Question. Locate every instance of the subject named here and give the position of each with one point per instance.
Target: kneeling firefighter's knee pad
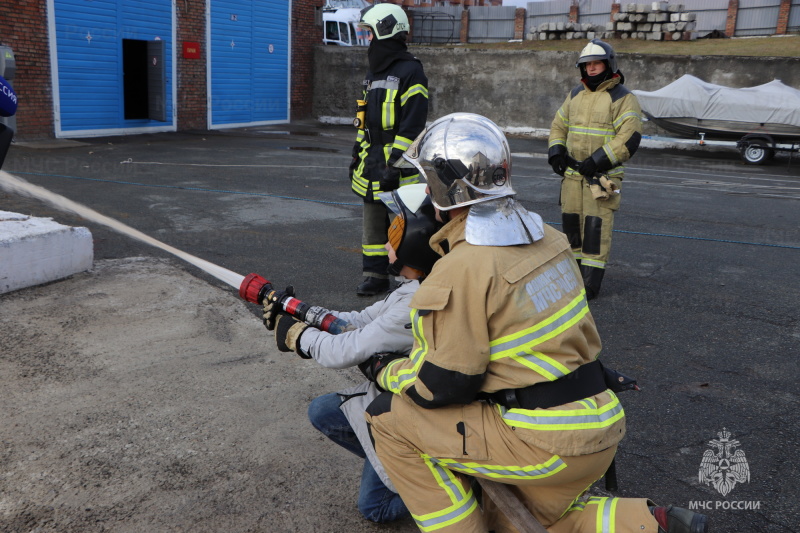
(592, 228)
(571, 223)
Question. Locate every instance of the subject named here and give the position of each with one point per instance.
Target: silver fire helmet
(465, 159)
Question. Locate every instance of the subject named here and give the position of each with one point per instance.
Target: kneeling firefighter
(503, 381)
(596, 129)
(392, 112)
(379, 329)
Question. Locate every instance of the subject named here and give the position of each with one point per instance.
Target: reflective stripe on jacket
(397, 109)
(608, 118)
(496, 317)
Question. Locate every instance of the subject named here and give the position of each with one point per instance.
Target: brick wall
(305, 36)
(24, 29)
(192, 87)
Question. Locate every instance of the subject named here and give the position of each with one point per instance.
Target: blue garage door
(249, 62)
(113, 61)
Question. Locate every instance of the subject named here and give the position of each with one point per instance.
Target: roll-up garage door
(112, 66)
(249, 62)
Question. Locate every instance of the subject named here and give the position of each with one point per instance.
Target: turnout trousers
(375, 258)
(430, 463)
(588, 223)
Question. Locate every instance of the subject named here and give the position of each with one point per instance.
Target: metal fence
(496, 24)
(539, 12)
(794, 17)
(711, 15)
(491, 24)
(596, 12)
(436, 25)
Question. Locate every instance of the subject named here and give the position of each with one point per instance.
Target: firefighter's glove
(390, 178)
(287, 334)
(273, 304)
(356, 159)
(559, 163)
(373, 366)
(608, 185)
(588, 167)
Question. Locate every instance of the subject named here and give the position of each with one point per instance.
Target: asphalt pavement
(699, 303)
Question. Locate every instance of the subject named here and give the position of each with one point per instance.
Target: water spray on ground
(14, 184)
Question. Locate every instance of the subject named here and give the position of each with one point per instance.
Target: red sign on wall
(191, 50)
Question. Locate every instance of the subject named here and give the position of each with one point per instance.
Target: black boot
(678, 520)
(592, 279)
(372, 286)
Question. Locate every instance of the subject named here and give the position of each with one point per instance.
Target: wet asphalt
(700, 300)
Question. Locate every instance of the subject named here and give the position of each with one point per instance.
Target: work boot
(673, 519)
(372, 286)
(592, 279)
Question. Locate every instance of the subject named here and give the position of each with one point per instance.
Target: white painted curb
(39, 250)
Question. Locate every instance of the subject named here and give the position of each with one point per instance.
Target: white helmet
(384, 20)
(465, 159)
(597, 50)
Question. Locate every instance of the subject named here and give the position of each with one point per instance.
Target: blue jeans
(375, 501)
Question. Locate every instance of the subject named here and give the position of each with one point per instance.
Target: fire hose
(255, 289)
(600, 185)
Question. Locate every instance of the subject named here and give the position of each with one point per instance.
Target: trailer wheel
(757, 152)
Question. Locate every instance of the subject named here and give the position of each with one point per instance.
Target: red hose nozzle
(253, 288)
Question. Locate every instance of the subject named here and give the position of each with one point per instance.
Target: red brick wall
(305, 36)
(24, 29)
(783, 17)
(192, 89)
(733, 13)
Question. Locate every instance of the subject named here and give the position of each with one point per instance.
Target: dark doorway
(134, 76)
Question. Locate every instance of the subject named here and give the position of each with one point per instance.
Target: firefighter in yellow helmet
(503, 380)
(597, 129)
(393, 110)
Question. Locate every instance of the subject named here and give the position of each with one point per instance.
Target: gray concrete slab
(699, 303)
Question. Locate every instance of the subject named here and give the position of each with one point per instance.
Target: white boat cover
(688, 96)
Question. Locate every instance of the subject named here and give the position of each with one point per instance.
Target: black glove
(372, 366)
(355, 160)
(287, 334)
(390, 178)
(272, 306)
(588, 167)
(559, 163)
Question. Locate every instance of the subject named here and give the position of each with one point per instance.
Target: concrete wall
(523, 89)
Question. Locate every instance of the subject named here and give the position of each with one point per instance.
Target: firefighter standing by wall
(502, 382)
(396, 101)
(599, 125)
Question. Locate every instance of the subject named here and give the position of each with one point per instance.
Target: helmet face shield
(412, 227)
(464, 158)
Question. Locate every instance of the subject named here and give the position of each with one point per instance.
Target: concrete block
(675, 17)
(590, 35)
(610, 26)
(38, 250)
(655, 36)
(688, 17)
(645, 27)
(561, 26)
(630, 8)
(675, 8)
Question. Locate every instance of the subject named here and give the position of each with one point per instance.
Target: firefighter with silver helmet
(392, 111)
(378, 329)
(596, 130)
(503, 380)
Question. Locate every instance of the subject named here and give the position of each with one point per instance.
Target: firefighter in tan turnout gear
(502, 381)
(597, 128)
(392, 112)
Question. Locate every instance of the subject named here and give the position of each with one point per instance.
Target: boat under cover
(690, 106)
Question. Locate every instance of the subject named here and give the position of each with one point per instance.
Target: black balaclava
(593, 82)
(383, 52)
